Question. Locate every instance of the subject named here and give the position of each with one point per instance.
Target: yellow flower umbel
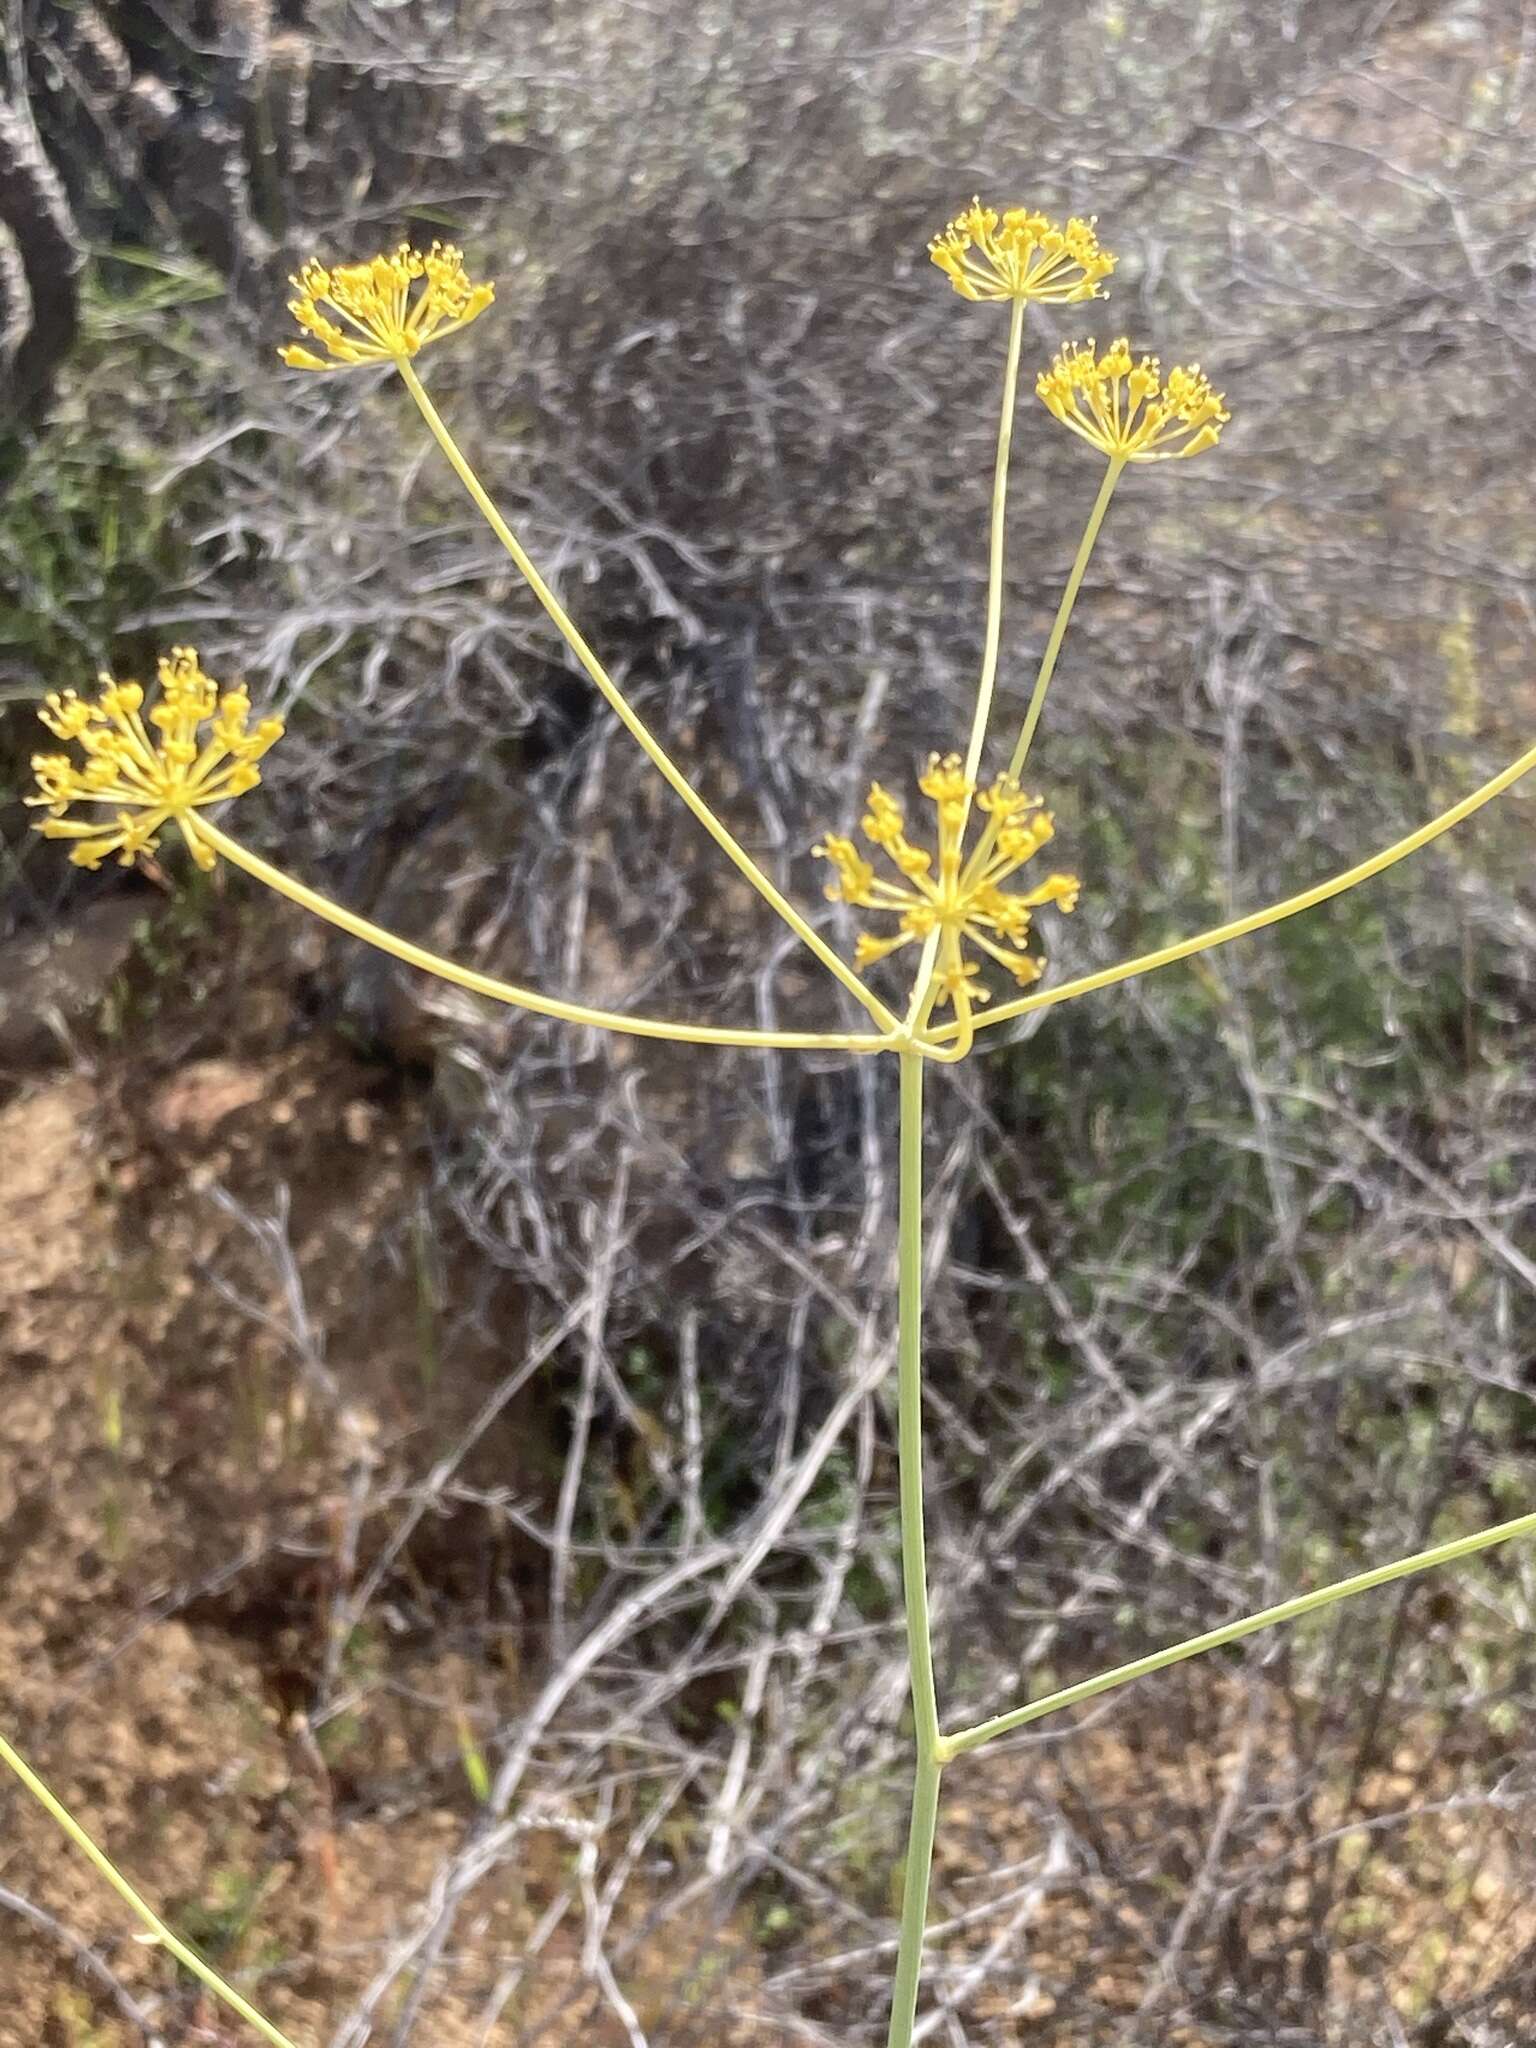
(385, 319)
(1020, 256)
(1122, 407)
(964, 902)
(144, 779)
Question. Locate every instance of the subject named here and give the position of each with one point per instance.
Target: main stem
(914, 1566)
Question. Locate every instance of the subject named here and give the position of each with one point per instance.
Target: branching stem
(996, 549)
(922, 997)
(1063, 618)
(1234, 1631)
(1256, 920)
(1053, 646)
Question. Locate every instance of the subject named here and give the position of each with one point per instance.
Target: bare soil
(173, 1476)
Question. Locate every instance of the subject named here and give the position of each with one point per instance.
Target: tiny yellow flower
(1122, 407)
(380, 320)
(964, 902)
(146, 779)
(1020, 256)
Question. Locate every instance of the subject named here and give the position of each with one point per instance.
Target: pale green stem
(509, 992)
(1256, 920)
(619, 704)
(994, 634)
(1052, 652)
(914, 1565)
(993, 637)
(914, 1901)
(1234, 1631)
(188, 1958)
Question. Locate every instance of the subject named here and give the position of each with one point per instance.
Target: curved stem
(632, 722)
(1063, 617)
(509, 992)
(1256, 920)
(914, 1567)
(171, 1943)
(1234, 1631)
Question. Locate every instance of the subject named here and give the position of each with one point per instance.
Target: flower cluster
(1020, 255)
(964, 902)
(146, 768)
(1122, 407)
(385, 318)
(142, 778)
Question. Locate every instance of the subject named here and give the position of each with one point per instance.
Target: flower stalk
(443, 969)
(630, 719)
(1052, 653)
(996, 546)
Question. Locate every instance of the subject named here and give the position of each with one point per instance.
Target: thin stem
(1256, 920)
(914, 1566)
(508, 992)
(172, 1944)
(1049, 658)
(1052, 652)
(992, 641)
(988, 679)
(632, 722)
(1234, 1631)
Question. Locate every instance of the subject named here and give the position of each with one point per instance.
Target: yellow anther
(1123, 408)
(1021, 255)
(963, 901)
(148, 780)
(387, 308)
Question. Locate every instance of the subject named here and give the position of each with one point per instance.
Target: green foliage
(87, 535)
(477, 1772)
(222, 1922)
(77, 2024)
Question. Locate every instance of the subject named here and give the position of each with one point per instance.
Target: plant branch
(922, 982)
(630, 719)
(172, 1944)
(1048, 660)
(1063, 617)
(1234, 1631)
(1256, 920)
(509, 992)
(994, 631)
